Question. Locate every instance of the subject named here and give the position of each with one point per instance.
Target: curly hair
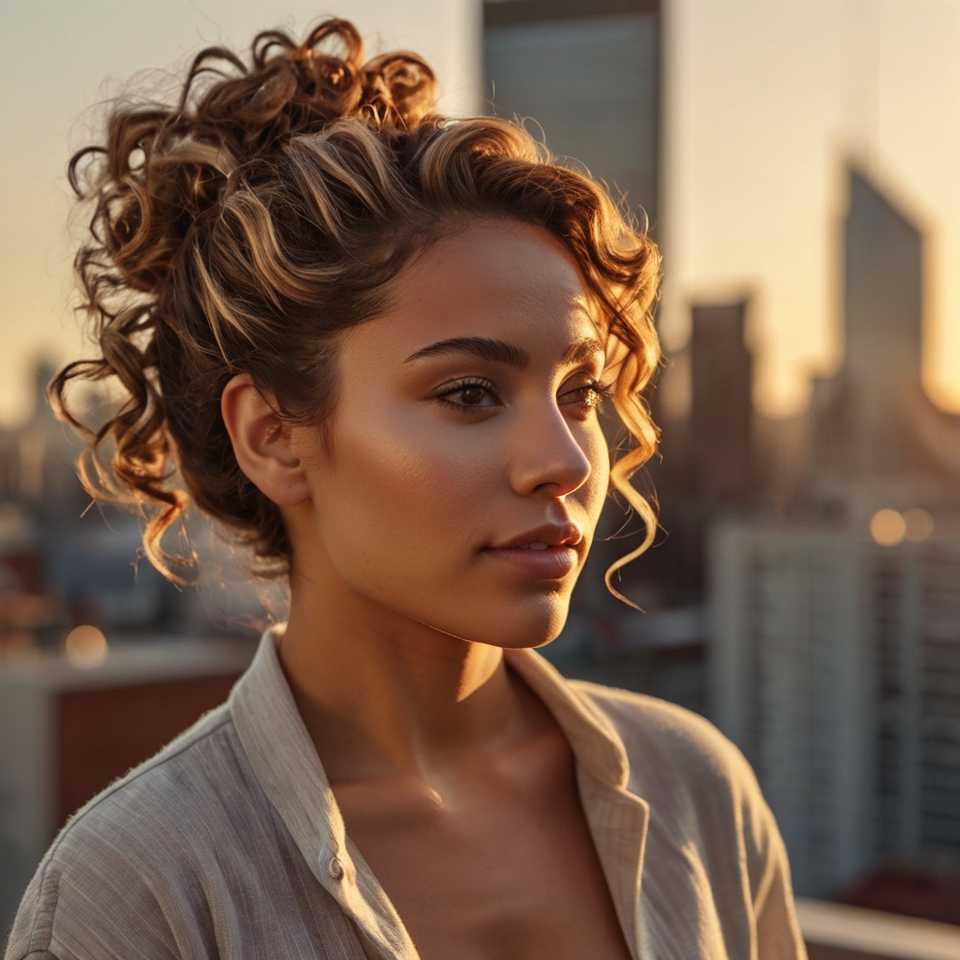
(245, 228)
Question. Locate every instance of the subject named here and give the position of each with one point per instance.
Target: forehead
(500, 279)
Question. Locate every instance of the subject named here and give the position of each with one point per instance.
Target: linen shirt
(229, 842)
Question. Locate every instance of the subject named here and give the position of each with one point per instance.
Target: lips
(548, 552)
(563, 534)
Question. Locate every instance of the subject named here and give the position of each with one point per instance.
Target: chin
(509, 624)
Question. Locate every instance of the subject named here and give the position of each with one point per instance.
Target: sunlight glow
(887, 527)
(86, 646)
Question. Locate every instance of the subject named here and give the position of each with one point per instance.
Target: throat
(380, 707)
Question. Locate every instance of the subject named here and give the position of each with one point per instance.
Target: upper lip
(566, 534)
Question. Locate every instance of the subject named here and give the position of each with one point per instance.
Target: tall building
(883, 292)
(789, 685)
(586, 73)
(836, 668)
(872, 421)
(720, 432)
(916, 626)
(708, 458)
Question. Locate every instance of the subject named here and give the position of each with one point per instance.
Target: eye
(469, 395)
(588, 395)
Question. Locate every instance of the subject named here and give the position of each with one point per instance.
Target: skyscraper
(883, 291)
(586, 72)
(790, 685)
(721, 415)
(873, 421)
(836, 668)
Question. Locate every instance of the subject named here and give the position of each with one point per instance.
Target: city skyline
(835, 663)
(763, 106)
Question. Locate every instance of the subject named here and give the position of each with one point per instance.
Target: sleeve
(77, 913)
(30, 935)
(777, 929)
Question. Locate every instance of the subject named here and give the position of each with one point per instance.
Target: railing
(834, 931)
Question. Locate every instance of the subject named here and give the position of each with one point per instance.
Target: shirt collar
(288, 769)
(592, 738)
(618, 819)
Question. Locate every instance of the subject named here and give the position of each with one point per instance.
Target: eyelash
(598, 392)
(459, 386)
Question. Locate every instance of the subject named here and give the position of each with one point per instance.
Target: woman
(374, 343)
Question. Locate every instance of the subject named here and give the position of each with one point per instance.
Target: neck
(382, 695)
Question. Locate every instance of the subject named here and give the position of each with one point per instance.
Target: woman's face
(467, 467)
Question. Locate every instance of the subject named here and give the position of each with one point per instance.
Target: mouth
(539, 560)
(551, 551)
(548, 536)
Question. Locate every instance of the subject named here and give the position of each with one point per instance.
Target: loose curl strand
(248, 227)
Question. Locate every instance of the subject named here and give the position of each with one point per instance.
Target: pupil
(472, 395)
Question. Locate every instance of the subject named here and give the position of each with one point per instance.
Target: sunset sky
(765, 100)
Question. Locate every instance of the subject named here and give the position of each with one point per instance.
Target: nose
(549, 456)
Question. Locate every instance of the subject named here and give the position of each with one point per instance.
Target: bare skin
(455, 782)
(484, 850)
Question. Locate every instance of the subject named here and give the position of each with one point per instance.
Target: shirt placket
(618, 822)
(345, 875)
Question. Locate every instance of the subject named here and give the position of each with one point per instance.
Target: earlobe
(262, 443)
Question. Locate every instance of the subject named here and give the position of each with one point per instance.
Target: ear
(263, 443)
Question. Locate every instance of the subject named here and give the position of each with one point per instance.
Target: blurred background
(797, 162)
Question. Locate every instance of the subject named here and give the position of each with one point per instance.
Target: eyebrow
(499, 351)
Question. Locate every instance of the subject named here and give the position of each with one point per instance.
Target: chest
(502, 864)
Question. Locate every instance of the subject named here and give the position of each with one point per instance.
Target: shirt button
(335, 868)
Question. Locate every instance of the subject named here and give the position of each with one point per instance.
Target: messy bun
(244, 229)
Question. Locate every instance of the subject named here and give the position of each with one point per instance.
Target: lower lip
(554, 563)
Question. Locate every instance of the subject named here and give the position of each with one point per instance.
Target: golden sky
(764, 101)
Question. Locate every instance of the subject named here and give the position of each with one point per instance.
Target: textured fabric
(229, 843)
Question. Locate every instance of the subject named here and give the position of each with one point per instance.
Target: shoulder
(699, 785)
(705, 802)
(655, 731)
(134, 851)
(194, 772)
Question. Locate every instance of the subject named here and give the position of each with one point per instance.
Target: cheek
(402, 503)
(402, 513)
(593, 494)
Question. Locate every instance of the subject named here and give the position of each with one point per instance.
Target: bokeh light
(919, 524)
(888, 527)
(86, 646)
